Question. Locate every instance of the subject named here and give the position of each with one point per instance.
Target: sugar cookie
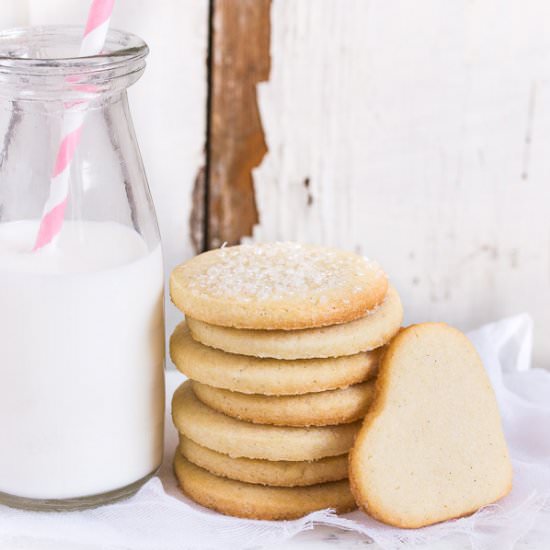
(431, 447)
(311, 409)
(236, 438)
(248, 374)
(248, 500)
(265, 472)
(277, 286)
(367, 333)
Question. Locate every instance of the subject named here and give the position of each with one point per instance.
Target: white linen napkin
(159, 516)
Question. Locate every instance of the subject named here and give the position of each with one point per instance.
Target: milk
(81, 360)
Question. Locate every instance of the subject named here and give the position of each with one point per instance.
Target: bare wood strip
(240, 59)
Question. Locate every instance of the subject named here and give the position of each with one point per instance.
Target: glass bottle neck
(58, 107)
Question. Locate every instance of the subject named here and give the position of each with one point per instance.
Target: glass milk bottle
(81, 291)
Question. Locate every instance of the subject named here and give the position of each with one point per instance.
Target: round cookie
(369, 332)
(248, 500)
(277, 286)
(265, 472)
(236, 438)
(248, 374)
(311, 409)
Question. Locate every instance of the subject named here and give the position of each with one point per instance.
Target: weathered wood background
(239, 59)
(417, 133)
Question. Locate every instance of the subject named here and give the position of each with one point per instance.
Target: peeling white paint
(424, 130)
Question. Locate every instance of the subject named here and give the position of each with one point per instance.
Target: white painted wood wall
(423, 129)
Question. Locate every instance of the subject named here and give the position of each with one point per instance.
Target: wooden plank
(419, 134)
(239, 60)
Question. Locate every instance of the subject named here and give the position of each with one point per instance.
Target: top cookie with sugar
(277, 286)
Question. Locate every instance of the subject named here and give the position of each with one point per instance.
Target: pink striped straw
(53, 214)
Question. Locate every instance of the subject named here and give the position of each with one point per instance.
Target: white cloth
(159, 516)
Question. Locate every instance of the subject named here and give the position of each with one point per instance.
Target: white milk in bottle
(81, 360)
(81, 317)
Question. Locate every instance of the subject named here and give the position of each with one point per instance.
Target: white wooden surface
(168, 104)
(423, 129)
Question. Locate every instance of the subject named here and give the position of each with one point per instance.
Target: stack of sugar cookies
(281, 344)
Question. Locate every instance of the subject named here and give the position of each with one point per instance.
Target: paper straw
(53, 214)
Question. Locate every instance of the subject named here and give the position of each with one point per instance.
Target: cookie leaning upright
(431, 447)
(284, 286)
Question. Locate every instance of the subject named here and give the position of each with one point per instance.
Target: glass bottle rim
(42, 63)
(54, 50)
